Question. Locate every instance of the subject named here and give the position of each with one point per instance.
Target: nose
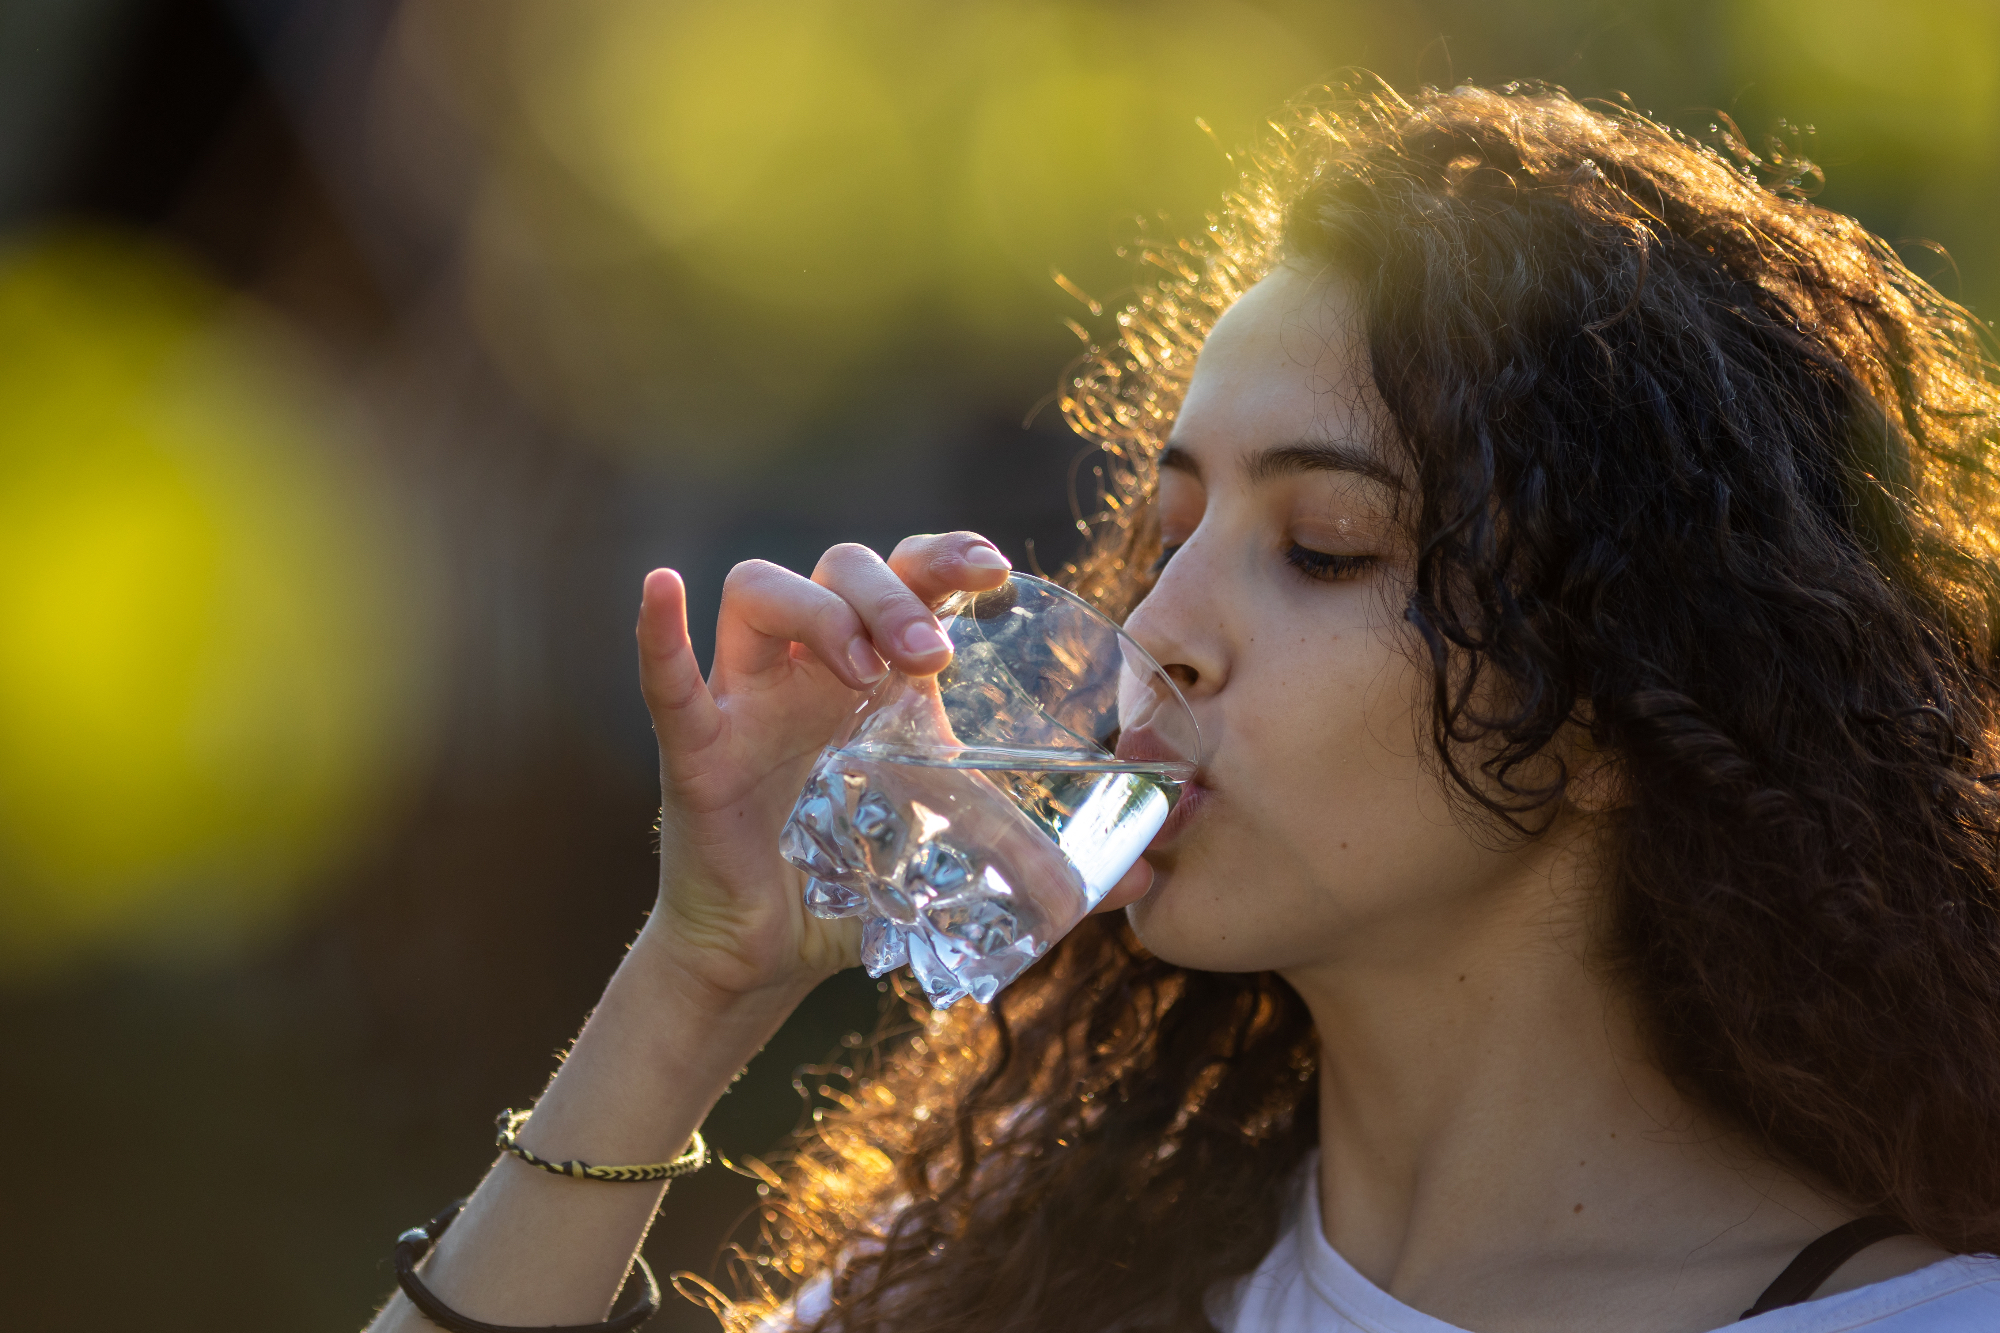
(1180, 624)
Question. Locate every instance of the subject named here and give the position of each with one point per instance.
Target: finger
(767, 608)
(937, 564)
(902, 627)
(1133, 885)
(684, 714)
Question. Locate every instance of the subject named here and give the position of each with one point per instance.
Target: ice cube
(898, 902)
(983, 974)
(980, 924)
(934, 872)
(940, 868)
(925, 899)
(831, 901)
(881, 830)
(983, 977)
(818, 838)
(884, 946)
(806, 852)
(938, 981)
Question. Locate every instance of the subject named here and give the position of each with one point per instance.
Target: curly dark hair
(1703, 471)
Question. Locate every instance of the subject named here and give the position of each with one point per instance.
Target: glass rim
(1131, 643)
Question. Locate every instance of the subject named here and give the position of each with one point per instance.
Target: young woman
(1579, 552)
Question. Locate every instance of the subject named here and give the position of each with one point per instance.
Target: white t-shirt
(1304, 1286)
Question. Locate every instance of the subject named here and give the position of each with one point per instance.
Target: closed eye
(1326, 568)
(1319, 565)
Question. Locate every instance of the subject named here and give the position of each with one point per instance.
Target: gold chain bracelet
(689, 1162)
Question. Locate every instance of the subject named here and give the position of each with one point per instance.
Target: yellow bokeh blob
(1880, 81)
(830, 157)
(1087, 121)
(206, 657)
(761, 138)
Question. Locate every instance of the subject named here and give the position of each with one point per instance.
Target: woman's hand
(792, 659)
(730, 949)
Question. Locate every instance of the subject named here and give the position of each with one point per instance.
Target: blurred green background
(358, 357)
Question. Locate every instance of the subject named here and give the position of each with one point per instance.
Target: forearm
(533, 1248)
(690, 1006)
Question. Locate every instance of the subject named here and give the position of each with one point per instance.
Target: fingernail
(867, 666)
(985, 557)
(920, 640)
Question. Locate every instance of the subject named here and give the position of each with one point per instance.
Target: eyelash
(1325, 568)
(1317, 565)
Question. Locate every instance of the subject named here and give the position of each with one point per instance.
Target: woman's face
(1318, 834)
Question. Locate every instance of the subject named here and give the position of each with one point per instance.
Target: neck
(1489, 1118)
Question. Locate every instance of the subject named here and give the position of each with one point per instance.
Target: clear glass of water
(972, 818)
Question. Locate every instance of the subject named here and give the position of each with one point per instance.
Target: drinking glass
(973, 817)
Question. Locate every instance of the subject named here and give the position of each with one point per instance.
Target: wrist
(655, 1055)
(713, 984)
(672, 1015)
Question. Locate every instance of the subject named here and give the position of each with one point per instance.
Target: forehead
(1284, 365)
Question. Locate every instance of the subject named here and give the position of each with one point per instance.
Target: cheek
(1328, 818)
(1331, 756)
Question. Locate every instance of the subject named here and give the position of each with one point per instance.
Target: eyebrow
(1287, 460)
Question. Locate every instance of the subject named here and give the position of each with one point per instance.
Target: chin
(1191, 921)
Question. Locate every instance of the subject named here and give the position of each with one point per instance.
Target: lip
(1195, 797)
(1142, 746)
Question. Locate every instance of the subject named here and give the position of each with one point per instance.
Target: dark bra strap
(1817, 1261)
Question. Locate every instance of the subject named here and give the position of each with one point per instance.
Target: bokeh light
(1923, 80)
(763, 136)
(838, 174)
(1087, 123)
(205, 640)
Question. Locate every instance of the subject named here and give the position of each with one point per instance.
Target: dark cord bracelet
(414, 1244)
